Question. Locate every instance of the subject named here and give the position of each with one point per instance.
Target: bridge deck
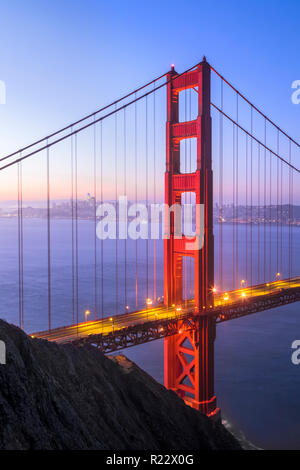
(141, 326)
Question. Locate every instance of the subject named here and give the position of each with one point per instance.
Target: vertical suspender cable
(292, 216)
(258, 214)
(76, 234)
(48, 240)
(221, 193)
(101, 196)
(290, 212)
(237, 193)
(251, 202)
(125, 194)
(154, 188)
(135, 184)
(233, 208)
(265, 200)
(72, 227)
(147, 240)
(95, 226)
(20, 246)
(277, 208)
(281, 219)
(270, 221)
(246, 269)
(117, 212)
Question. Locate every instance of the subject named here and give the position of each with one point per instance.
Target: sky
(63, 59)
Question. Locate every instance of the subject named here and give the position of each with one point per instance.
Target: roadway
(160, 312)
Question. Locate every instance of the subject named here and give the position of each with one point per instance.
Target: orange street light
(113, 323)
(86, 313)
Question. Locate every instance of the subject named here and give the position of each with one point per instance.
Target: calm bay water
(257, 386)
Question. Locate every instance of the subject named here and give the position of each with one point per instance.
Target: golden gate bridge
(216, 145)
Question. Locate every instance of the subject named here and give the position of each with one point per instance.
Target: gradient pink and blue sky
(63, 59)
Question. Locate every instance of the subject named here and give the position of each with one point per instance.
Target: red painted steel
(189, 355)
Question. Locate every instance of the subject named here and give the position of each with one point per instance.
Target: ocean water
(257, 386)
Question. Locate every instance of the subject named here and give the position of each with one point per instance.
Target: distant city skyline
(228, 213)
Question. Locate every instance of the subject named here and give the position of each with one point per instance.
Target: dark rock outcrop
(65, 397)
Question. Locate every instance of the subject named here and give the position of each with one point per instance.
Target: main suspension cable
(254, 107)
(73, 132)
(69, 126)
(255, 138)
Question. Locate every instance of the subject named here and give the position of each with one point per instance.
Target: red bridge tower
(189, 356)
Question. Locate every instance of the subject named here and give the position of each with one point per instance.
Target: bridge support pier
(189, 356)
(189, 366)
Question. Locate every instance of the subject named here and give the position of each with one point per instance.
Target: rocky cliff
(65, 397)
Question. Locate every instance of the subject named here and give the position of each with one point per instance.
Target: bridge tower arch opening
(189, 355)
